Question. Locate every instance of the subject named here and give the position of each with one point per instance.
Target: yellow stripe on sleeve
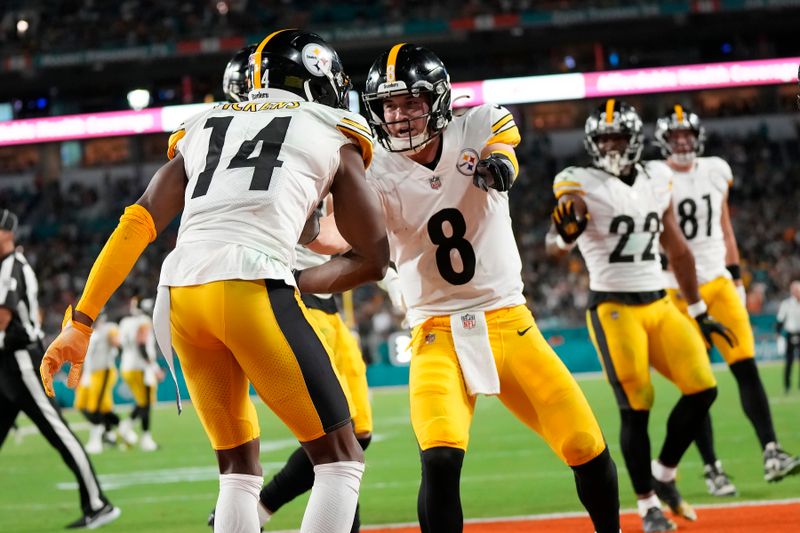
(357, 125)
(567, 184)
(508, 136)
(173, 142)
(364, 142)
(502, 122)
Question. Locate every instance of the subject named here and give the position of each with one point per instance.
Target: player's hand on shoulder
(495, 172)
(570, 218)
(69, 347)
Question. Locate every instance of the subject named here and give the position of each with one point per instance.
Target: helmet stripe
(257, 58)
(391, 61)
(679, 112)
(610, 110)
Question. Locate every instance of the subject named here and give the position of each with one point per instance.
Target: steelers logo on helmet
(317, 59)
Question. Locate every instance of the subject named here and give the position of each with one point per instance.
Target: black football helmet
(614, 117)
(234, 81)
(680, 118)
(299, 62)
(408, 69)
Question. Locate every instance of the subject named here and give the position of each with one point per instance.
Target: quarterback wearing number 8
(700, 199)
(444, 183)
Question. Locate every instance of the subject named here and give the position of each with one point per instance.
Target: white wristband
(563, 245)
(698, 308)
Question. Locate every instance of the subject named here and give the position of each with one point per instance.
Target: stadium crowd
(764, 172)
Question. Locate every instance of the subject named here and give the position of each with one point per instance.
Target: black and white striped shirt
(18, 293)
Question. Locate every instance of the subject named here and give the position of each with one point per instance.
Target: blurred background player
(443, 183)
(139, 370)
(788, 325)
(700, 188)
(21, 390)
(95, 398)
(618, 211)
(297, 476)
(228, 294)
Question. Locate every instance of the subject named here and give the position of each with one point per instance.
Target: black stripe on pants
(605, 353)
(315, 364)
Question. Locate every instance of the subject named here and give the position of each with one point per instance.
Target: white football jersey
(697, 199)
(452, 242)
(621, 241)
(256, 171)
(101, 352)
(131, 357)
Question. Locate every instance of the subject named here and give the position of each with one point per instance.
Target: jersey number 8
(446, 244)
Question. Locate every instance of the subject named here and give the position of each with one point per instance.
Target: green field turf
(508, 470)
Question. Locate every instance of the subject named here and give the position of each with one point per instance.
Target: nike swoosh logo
(522, 332)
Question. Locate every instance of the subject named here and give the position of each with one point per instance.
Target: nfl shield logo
(468, 321)
(435, 182)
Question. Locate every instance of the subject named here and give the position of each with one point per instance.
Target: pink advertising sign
(467, 94)
(63, 128)
(691, 77)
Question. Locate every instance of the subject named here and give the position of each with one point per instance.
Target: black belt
(628, 298)
(326, 305)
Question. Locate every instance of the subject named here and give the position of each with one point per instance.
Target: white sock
(263, 514)
(334, 496)
(237, 503)
(647, 503)
(663, 473)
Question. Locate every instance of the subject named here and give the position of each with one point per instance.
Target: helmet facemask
(622, 120)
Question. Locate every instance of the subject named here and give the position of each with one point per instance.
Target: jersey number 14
(271, 137)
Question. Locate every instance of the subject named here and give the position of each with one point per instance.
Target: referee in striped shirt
(21, 389)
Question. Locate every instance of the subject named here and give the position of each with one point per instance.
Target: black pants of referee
(21, 390)
(792, 353)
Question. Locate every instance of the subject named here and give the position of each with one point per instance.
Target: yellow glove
(69, 347)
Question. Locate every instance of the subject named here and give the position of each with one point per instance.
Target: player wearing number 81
(443, 183)
(619, 211)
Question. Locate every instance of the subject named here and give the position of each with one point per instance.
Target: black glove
(709, 326)
(496, 171)
(311, 229)
(566, 221)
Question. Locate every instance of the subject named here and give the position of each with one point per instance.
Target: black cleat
(778, 464)
(104, 516)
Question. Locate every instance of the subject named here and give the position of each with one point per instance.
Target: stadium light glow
(529, 89)
(138, 99)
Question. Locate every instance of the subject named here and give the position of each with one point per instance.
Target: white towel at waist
(471, 340)
(163, 333)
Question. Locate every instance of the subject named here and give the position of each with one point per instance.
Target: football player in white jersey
(700, 199)
(444, 182)
(297, 475)
(247, 177)
(139, 370)
(618, 211)
(95, 397)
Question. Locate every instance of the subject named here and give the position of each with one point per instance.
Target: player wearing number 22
(619, 211)
(444, 184)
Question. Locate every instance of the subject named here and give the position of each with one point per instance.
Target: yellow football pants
(143, 395)
(629, 339)
(534, 385)
(349, 363)
(725, 306)
(228, 334)
(98, 395)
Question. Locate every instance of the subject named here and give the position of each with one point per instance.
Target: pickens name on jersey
(256, 170)
(697, 198)
(452, 242)
(620, 244)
